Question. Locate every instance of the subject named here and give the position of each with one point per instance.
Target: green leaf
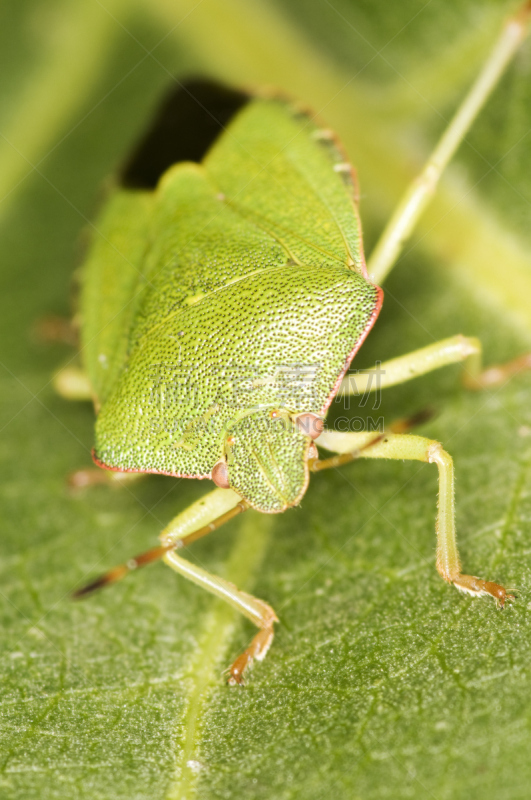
(382, 681)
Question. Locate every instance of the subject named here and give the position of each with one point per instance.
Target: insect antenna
(405, 424)
(117, 573)
(155, 554)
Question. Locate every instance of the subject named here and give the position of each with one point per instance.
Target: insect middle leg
(416, 448)
(466, 349)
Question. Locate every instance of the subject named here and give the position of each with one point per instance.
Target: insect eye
(310, 424)
(220, 475)
(231, 439)
(275, 414)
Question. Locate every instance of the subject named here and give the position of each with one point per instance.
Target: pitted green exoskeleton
(215, 344)
(223, 301)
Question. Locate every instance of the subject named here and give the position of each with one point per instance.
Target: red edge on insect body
(306, 476)
(330, 397)
(102, 465)
(362, 264)
(353, 190)
(355, 349)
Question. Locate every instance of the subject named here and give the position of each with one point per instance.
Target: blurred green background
(382, 681)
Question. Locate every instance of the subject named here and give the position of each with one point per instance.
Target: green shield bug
(223, 302)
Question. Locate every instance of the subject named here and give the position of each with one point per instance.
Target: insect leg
(417, 448)
(72, 383)
(251, 607)
(419, 193)
(94, 476)
(198, 520)
(55, 329)
(182, 531)
(448, 351)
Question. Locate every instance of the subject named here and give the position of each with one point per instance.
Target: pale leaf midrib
(204, 675)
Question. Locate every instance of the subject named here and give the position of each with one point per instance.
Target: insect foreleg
(417, 448)
(254, 609)
(211, 511)
(199, 519)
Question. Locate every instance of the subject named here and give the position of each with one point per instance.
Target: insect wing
(276, 167)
